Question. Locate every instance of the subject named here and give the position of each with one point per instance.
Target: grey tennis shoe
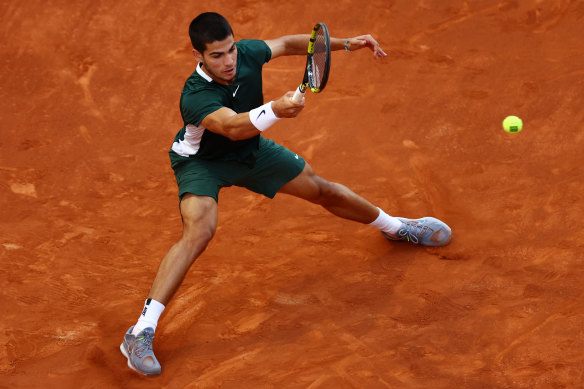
(427, 231)
(138, 350)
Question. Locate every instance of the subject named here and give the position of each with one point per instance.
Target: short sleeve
(195, 106)
(258, 50)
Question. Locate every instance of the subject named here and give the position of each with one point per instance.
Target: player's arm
(298, 44)
(239, 126)
(288, 45)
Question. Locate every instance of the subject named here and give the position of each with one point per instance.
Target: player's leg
(199, 215)
(336, 198)
(279, 170)
(343, 202)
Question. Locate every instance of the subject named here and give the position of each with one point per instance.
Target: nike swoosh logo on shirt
(234, 93)
(263, 111)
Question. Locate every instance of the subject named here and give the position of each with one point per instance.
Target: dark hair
(208, 27)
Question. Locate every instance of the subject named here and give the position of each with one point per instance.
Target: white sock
(149, 317)
(386, 223)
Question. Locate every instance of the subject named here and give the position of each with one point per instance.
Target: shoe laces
(412, 231)
(143, 344)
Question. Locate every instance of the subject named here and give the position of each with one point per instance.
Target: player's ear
(198, 55)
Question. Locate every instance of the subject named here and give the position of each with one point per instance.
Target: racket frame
(308, 79)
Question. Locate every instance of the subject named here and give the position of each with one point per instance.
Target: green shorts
(274, 167)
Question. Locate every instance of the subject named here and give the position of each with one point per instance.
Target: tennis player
(221, 145)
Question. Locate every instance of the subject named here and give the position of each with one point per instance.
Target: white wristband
(263, 117)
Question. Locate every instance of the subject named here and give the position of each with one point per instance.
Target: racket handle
(298, 95)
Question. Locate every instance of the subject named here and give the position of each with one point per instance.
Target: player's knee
(203, 235)
(196, 240)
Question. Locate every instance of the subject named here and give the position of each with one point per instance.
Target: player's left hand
(362, 41)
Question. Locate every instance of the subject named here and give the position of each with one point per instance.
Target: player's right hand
(285, 107)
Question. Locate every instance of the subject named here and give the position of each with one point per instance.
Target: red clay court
(288, 296)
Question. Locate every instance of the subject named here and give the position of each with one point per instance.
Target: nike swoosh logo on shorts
(263, 111)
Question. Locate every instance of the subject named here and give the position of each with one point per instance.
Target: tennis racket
(318, 62)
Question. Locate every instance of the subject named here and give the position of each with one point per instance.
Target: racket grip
(298, 95)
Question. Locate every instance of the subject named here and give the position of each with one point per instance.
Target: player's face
(220, 60)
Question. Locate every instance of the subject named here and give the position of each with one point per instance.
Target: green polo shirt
(202, 96)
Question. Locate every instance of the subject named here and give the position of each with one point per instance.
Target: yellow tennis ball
(512, 124)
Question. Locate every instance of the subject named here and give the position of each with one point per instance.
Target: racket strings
(319, 59)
